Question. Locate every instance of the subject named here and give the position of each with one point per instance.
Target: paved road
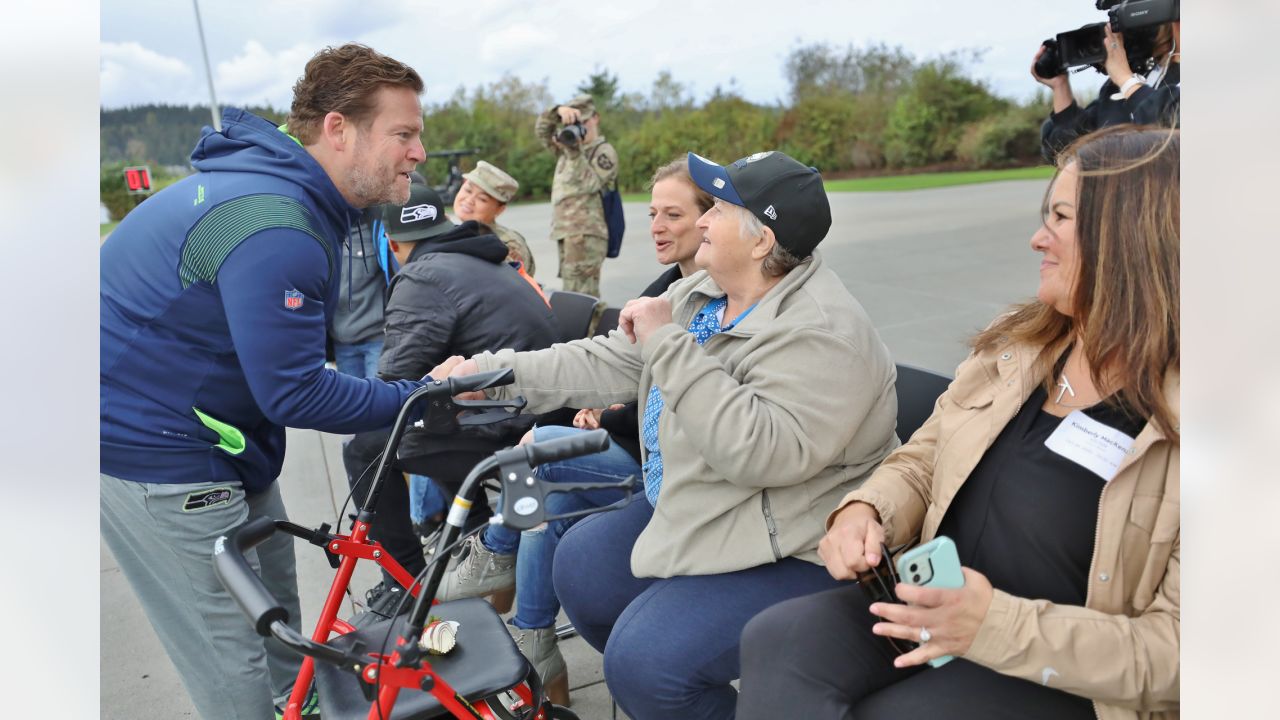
(930, 266)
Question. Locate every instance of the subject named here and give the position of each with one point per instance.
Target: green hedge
(113, 192)
(1007, 139)
(929, 118)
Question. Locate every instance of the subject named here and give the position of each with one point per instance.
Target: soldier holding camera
(585, 165)
(1138, 49)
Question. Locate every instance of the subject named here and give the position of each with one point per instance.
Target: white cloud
(131, 74)
(506, 47)
(473, 43)
(258, 75)
(337, 19)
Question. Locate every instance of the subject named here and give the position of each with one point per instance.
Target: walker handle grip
(570, 446)
(244, 585)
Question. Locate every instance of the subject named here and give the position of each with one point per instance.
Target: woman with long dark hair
(1052, 463)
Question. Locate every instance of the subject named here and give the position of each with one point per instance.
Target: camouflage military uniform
(502, 187)
(577, 216)
(516, 245)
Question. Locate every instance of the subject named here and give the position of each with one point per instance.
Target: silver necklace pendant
(1065, 387)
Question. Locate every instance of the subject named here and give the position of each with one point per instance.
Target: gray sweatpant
(162, 537)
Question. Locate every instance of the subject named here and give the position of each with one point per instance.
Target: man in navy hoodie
(215, 298)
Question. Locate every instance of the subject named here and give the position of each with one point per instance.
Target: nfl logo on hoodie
(292, 299)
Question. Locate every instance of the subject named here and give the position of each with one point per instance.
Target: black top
(1146, 106)
(623, 424)
(1026, 516)
(457, 295)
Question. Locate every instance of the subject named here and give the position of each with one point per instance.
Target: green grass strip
(920, 181)
(895, 183)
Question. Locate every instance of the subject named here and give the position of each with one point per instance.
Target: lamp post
(213, 98)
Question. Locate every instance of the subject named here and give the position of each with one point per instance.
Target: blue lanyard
(738, 319)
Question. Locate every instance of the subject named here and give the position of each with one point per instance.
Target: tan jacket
(764, 427)
(1121, 649)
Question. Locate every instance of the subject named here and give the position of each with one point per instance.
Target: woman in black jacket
(1125, 97)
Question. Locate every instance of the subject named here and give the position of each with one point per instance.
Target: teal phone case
(939, 554)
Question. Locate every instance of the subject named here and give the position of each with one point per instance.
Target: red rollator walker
(383, 670)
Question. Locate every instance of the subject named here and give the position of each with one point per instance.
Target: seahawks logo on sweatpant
(205, 499)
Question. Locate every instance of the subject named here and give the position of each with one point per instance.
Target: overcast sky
(151, 50)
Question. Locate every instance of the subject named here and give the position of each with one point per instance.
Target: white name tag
(1097, 447)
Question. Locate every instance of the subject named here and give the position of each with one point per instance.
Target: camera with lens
(1137, 19)
(571, 134)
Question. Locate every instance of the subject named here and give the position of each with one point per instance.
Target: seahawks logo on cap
(758, 156)
(418, 212)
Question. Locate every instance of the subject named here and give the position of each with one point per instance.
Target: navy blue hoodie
(216, 293)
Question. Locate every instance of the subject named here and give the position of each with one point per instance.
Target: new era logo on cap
(418, 213)
(787, 196)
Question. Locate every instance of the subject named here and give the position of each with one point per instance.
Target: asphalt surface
(931, 267)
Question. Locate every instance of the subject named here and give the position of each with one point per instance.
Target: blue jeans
(359, 359)
(670, 645)
(536, 602)
(425, 498)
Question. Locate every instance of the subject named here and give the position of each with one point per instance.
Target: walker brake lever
(489, 411)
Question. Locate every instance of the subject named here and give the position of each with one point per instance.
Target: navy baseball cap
(421, 218)
(784, 194)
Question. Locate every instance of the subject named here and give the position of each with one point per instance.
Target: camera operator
(1125, 97)
(585, 164)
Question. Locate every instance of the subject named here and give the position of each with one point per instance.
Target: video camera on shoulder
(1137, 19)
(571, 134)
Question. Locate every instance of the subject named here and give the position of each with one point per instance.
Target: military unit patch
(604, 162)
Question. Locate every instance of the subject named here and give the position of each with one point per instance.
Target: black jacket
(457, 295)
(1146, 106)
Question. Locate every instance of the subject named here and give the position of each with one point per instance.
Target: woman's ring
(925, 637)
(1114, 45)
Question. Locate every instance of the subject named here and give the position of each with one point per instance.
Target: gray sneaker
(541, 648)
(481, 572)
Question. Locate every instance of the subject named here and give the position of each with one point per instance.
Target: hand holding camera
(1117, 62)
(1044, 70)
(569, 115)
(1101, 44)
(573, 131)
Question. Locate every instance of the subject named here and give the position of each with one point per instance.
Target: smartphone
(934, 564)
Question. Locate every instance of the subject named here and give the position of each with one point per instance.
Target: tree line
(849, 110)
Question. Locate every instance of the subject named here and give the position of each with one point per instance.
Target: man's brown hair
(344, 79)
(1125, 299)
